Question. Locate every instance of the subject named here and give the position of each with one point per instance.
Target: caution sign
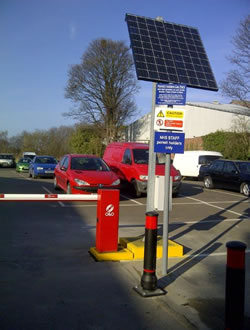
(174, 114)
(169, 118)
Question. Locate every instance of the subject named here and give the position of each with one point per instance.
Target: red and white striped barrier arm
(48, 197)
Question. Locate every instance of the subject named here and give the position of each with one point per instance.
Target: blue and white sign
(170, 94)
(168, 142)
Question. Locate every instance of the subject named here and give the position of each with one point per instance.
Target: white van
(29, 154)
(190, 162)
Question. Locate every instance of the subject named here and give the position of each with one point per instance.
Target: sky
(41, 39)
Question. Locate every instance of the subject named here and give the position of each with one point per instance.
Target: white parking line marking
(216, 202)
(61, 203)
(202, 255)
(20, 174)
(132, 200)
(217, 207)
(206, 221)
(224, 192)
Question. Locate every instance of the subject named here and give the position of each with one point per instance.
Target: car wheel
(136, 190)
(208, 182)
(245, 189)
(55, 184)
(69, 189)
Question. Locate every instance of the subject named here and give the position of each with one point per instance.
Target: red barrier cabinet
(107, 220)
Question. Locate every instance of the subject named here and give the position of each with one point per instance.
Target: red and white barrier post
(235, 286)
(148, 286)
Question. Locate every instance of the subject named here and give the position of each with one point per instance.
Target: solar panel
(169, 53)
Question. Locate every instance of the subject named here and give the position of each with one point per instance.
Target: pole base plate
(148, 293)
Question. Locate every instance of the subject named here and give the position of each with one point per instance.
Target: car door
(62, 173)
(231, 178)
(216, 172)
(126, 165)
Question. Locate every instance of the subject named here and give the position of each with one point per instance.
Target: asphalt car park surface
(49, 280)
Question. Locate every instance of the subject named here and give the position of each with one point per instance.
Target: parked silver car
(7, 160)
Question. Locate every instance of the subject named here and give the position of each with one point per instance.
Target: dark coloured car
(228, 174)
(42, 166)
(7, 160)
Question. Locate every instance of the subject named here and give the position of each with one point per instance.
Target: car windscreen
(45, 160)
(6, 156)
(88, 164)
(29, 156)
(141, 157)
(207, 159)
(24, 160)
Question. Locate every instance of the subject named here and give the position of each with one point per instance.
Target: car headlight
(177, 178)
(116, 182)
(39, 168)
(81, 182)
(143, 177)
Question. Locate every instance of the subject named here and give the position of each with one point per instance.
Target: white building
(200, 119)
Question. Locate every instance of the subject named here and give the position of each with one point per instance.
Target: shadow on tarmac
(196, 257)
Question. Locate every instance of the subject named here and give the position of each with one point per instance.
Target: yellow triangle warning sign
(160, 114)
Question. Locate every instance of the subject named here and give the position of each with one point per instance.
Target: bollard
(235, 286)
(148, 286)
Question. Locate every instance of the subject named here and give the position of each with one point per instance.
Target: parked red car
(82, 174)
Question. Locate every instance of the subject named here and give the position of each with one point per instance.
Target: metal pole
(166, 215)
(151, 158)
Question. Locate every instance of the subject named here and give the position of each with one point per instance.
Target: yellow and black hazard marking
(160, 114)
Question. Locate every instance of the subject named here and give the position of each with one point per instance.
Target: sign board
(169, 118)
(169, 142)
(160, 193)
(170, 94)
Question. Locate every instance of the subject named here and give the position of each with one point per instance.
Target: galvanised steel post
(151, 158)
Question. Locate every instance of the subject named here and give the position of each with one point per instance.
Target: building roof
(231, 108)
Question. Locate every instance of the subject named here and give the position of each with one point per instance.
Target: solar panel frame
(169, 53)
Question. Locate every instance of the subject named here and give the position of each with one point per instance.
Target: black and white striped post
(148, 286)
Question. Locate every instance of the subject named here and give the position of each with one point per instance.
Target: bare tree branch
(237, 83)
(102, 87)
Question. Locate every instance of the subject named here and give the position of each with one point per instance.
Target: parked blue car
(42, 166)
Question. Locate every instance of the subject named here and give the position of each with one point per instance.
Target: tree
(102, 87)
(241, 127)
(85, 140)
(237, 83)
(4, 141)
(232, 145)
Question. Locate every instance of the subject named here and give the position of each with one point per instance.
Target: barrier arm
(48, 197)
